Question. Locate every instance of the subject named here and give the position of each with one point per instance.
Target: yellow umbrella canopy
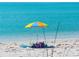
(36, 24)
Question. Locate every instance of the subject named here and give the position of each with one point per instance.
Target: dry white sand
(64, 48)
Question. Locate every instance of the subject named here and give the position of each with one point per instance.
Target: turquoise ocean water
(14, 16)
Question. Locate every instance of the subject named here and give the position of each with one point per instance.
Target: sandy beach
(63, 48)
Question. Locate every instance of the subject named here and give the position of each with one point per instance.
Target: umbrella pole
(37, 35)
(30, 41)
(44, 35)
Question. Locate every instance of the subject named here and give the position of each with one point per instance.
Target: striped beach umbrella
(37, 24)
